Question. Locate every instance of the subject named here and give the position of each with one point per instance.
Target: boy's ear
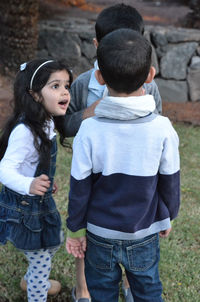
(99, 77)
(151, 75)
(95, 42)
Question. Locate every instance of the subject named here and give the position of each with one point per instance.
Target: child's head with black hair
(124, 59)
(41, 91)
(116, 17)
(29, 84)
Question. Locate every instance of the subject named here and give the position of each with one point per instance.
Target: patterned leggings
(38, 274)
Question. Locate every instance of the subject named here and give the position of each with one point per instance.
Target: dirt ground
(163, 12)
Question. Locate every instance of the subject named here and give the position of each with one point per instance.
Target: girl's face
(55, 94)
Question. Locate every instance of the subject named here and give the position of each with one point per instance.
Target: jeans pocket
(99, 254)
(9, 214)
(33, 223)
(143, 255)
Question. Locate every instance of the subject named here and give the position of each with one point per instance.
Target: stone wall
(176, 54)
(177, 61)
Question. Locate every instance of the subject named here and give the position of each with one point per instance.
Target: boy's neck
(138, 92)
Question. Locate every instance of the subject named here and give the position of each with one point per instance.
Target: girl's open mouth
(63, 104)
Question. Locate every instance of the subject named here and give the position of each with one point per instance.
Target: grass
(179, 265)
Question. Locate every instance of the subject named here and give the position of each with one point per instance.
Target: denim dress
(31, 223)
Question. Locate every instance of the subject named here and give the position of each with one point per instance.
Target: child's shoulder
(21, 127)
(83, 77)
(164, 123)
(150, 86)
(89, 122)
(88, 127)
(162, 120)
(21, 131)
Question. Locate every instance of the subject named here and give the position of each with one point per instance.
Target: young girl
(28, 214)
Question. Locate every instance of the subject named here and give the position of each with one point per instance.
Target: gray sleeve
(78, 103)
(152, 88)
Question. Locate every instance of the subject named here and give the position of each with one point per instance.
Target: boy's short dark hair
(124, 59)
(118, 16)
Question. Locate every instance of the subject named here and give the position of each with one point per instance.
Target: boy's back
(124, 159)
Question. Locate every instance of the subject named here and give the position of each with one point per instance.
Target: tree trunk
(192, 19)
(195, 5)
(18, 32)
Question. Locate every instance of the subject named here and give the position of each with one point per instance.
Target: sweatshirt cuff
(27, 185)
(77, 234)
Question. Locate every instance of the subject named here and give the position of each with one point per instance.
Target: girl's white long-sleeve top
(18, 166)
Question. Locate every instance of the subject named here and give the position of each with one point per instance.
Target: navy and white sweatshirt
(125, 178)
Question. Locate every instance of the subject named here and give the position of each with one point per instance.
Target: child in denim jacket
(28, 214)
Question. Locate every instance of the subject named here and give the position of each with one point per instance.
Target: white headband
(31, 82)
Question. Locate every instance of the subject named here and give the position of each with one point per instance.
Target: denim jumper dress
(31, 223)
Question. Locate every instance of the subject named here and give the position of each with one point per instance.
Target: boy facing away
(85, 95)
(85, 90)
(125, 179)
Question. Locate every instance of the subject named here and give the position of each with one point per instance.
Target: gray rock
(155, 61)
(177, 35)
(88, 50)
(163, 35)
(193, 79)
(63, 45)
(173, 64)
(88, 36)
(72, 25)
(158, 37)
(161, 51)
(154, 55)
(81, 66)
(195, 63)
(172, 91)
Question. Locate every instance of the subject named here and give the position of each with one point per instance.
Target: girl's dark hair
(30, 112)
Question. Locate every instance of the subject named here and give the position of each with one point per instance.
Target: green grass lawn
(180, 253)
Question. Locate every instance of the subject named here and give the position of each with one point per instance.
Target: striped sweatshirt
(125, 178)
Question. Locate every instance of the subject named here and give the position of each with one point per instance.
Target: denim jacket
(31, 222)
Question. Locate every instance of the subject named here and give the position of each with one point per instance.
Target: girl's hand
(55, 188)
(165, 233)
(40, 185)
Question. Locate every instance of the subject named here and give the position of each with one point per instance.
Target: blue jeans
(140, 259)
